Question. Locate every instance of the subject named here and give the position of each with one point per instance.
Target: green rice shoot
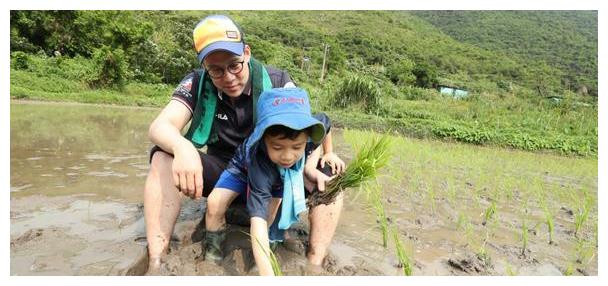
(489, 213)
(524, 238)
(376, 201)
(550, 223)
(404, 259)
(583, 213)
(276, 267)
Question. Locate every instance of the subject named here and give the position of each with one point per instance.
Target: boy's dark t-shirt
(233, 122)
(261, 174)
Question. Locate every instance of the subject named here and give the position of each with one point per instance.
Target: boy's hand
(336, 164)
(322, 180)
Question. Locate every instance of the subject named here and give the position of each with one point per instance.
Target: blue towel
(293, 194)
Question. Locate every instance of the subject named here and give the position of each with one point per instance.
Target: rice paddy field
(463, 209)
(434, 208)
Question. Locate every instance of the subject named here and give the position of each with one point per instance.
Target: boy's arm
(329, 157)
(311, 171)
(261, 176)
(260, 245)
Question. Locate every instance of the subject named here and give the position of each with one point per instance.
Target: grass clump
(356, 89)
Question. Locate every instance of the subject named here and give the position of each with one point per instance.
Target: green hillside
(382, 68)
(566, 40)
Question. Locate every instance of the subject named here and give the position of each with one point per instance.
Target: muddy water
(77, 175)
(76, 180)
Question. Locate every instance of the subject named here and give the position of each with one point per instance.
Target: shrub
(400, 73)
(426, 75)
(20, 61)
(357, 90)
(417, 93)
(111, 68)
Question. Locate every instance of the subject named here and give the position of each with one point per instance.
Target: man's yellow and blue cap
(217, 33)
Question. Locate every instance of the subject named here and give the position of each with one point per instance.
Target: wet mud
(76, 193)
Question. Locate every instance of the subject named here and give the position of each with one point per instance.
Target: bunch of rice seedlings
(404, 259)
(276, 267)
(372, 156)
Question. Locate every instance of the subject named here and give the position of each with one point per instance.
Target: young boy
(270, 169)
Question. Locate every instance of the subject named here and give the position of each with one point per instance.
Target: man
(218, 101)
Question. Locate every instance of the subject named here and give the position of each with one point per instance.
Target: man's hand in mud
(188, 171)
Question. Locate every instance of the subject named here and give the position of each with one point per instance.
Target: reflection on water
(77, 177)
(79, 149)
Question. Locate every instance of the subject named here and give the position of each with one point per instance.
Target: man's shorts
(213, 166)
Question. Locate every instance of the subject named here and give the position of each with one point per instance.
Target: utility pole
(305, 59)
(324, 57)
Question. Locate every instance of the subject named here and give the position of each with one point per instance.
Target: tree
(426, 75)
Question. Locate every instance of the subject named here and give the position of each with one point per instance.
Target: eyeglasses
(233, 68)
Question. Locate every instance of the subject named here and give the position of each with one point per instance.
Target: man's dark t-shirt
(233, 122)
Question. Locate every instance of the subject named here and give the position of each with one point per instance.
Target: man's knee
(160, 167)
(160, 160)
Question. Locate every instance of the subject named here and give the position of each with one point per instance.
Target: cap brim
(232, 47)
(291, 121)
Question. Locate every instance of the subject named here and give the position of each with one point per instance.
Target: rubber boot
(213, 245)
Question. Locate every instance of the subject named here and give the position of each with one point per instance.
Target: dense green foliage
(382, 67)
(69, 79)
(563, 40)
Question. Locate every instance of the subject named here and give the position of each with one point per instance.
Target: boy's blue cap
(289, 107)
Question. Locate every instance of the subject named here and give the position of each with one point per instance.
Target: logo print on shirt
(184, 88)
(222, 116)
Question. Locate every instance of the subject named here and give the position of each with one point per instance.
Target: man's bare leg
(162, 203)
(323, 222)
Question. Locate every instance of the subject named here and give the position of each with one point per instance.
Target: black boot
(213, 245)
